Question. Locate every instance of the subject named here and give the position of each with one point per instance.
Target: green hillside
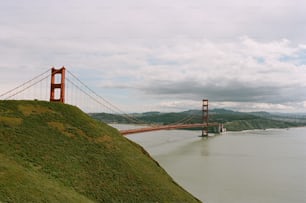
(51, 152)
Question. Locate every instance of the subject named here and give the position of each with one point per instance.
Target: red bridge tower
(57, 86)
(205, 118)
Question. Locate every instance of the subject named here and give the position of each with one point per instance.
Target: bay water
(255, 166)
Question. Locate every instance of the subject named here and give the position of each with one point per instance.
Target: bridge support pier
(205, 118)
(221, 128)
(57, 86)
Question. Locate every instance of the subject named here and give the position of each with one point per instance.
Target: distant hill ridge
(233, 120)
(52, 152)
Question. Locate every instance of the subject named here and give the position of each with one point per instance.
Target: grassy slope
(54, 152)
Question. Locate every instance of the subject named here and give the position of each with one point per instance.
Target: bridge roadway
(165, 127)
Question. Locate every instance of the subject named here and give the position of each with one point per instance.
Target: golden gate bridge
(60, 85)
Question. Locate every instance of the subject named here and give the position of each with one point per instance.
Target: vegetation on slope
(259, 123)
(51, 152)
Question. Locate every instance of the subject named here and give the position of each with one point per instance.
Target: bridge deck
(165, 127)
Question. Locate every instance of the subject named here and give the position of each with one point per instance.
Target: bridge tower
(205, 118)
(57, 86)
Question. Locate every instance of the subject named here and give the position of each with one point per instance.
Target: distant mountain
(151, 113)
(261, 114)
(193, 112)
(233, 120)
(214, 111)
(225, 111)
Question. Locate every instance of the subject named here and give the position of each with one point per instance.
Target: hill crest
(55, 152)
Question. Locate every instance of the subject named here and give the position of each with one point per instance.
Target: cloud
(222, 72)
(241, 54)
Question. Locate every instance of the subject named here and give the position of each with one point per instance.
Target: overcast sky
(165, 55)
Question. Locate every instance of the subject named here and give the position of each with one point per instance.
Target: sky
(163, 55)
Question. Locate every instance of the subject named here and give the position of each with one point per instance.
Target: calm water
(250, 166)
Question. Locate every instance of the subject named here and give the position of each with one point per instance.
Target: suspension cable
(26, 88)
(23, 84)
(184, 120)
(99, 102)
(122, 113)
